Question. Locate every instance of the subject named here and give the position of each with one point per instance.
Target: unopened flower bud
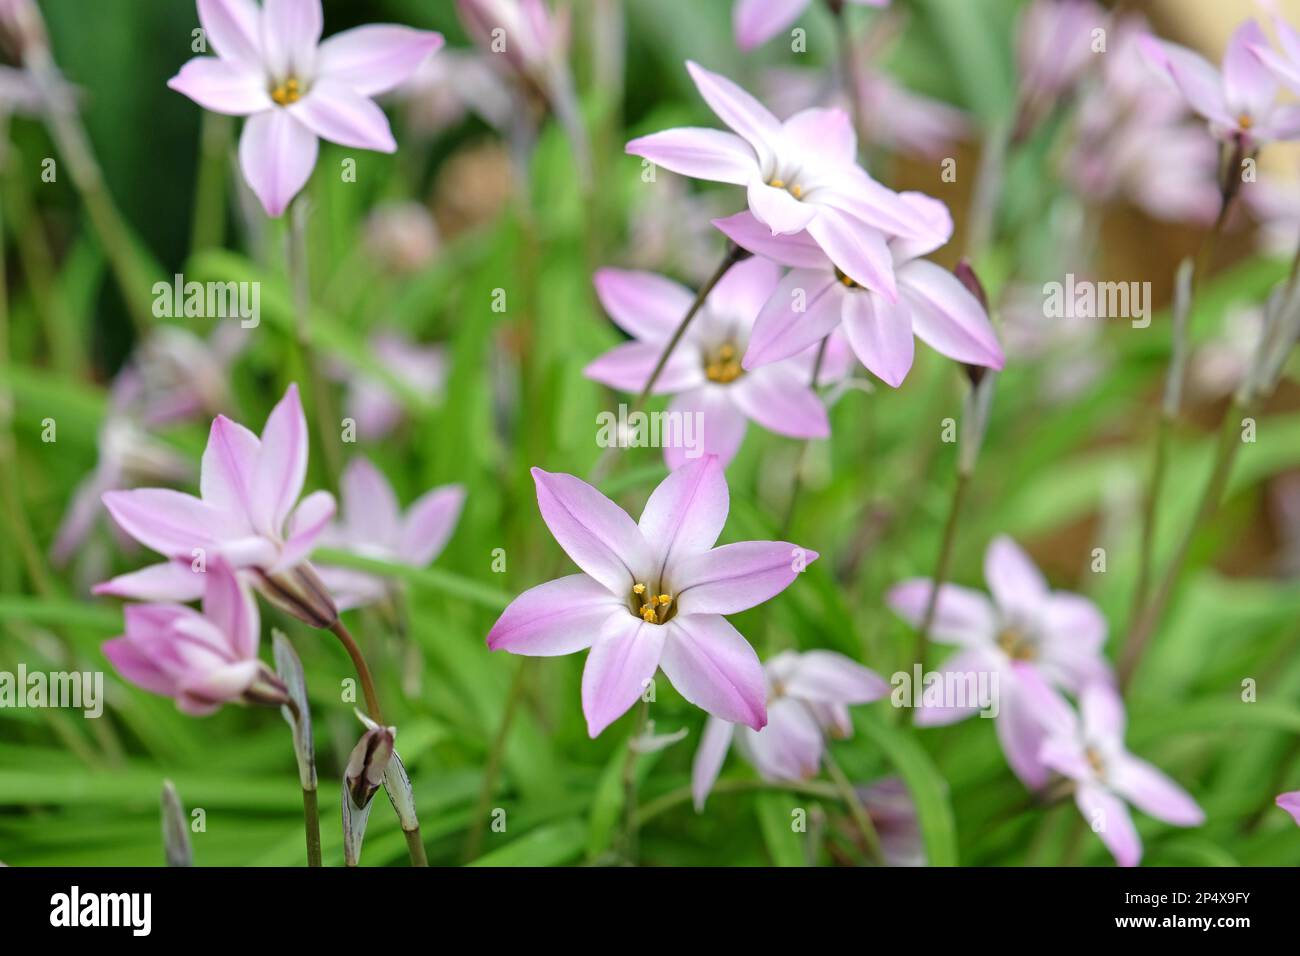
(175, 828)
(362, 777)
(965, 274)
(397, 784)
(266, 690)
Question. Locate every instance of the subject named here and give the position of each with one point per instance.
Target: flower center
(1245, 121)
(1016, 644)
(794, 189)
(289, 91)
(651, 608)
(845, 280)
(1094, 760)
(722, 365)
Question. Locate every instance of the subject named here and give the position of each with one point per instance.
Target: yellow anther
(664, 599)
(778, 184)
(797, 190)
(638, 589)
(648, 614)
(1245, 121)
(290, 91)
(728, 351)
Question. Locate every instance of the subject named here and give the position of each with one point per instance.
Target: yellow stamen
(797, 190)
(778, 184)
(1245, 121)
(664, 599)
(648, 614)
(287, 92)
(638, 589)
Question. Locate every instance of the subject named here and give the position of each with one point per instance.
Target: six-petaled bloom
(272, 67)
(1088, 748)
(373, 526)
(808, 698)
(704, 372)
(1240, 102)
(1025, 630)
(801, 176)
(202, 660)
(246, 514)
(652, 594)
(816, 297)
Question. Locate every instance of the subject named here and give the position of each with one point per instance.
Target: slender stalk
(941, 567)
(1151, 509)
(849, 71)
(856, 809)
(415, 847)
(116, 240)
(20, 529)
(1225, 455)
(210, 189)
(492, 769)
(734, 254)
(311, 822)
(301, 280)
(631, 824)
(803, 451)
(363, 671)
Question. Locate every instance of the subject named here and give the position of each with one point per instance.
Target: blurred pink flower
(533, 40)
(816, 297)
(653, 594)
(893, 813)
(1221, 362)
(1274, 201)
(1054, 45)
(808, 697)
(245, 514)
(1290, 802)
(202, 660)
(757, 21)
(801, 175)
(1089, 749)
(1135, 140)
(704, 371)
(893, 117)
(451, 84)
(401, 237)
(372, 401)
(177, 376)
(1285, 65)
(128, 456)
(272, 67)
(1026, 630)
(373, 526)
(1239, 102)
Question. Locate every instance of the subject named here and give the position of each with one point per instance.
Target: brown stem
(363, 671)
(803, 451)
(941, 567)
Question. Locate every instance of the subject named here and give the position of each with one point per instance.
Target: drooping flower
(1290, 802)
(272, 67)
(1025, 630)
(1240, 101)
(202, 660)
(246, 514)
(808, 698)
(801, 175)
(704, 371)
(652, 594)
(816, 297)
(1088, 748)
(757, 21)
(373, 526)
